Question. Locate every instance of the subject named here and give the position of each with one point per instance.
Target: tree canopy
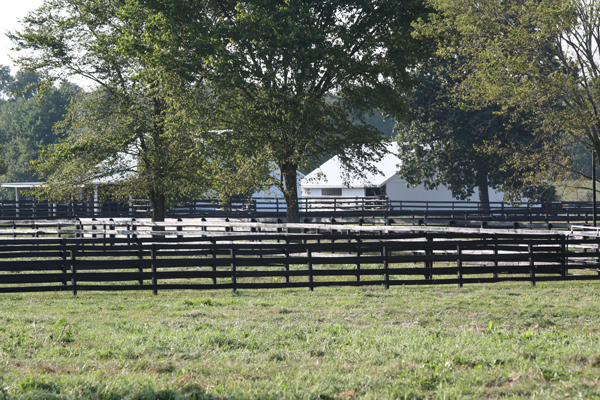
(539, 57)
(129, 130)
(27, 120)
(273, 64)
(462, 148)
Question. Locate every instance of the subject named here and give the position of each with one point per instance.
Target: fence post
(386, 275)
(78, 227)
(64, 260)
(179, 228)
(531, 264)
(310, 269)
(153, 267)
(459, 273)
(128, 234)
(563, 258)
(286, 252)
(428, 252)
(73, 273)
(358, 251)
(140, 258)
(103, 235)
(597, 258)
(111, 227)
(214, 257)
(233, 270)
(495, 274)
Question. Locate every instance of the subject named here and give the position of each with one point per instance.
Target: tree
(538, 57)
(461, 148)
(26, 121)
(27, 124)
(23, 85)
(277, 61)
(5, 79)
(127, 131)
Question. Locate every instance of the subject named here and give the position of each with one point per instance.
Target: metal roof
(330, 174)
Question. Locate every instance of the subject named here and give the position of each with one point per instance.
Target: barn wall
(311, 192)
(397, 190)
(353, 192)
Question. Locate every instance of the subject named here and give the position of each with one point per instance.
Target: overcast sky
(12, 12)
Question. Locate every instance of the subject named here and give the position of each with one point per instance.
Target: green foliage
(23, 85)
(5, 78)
(272, 65)
(129, 134)
(463, 148)
(26, 124)
(535, 57)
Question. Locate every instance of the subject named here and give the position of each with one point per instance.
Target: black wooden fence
(424, 212)
(263, 261)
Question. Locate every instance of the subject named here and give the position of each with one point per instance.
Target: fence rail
(259, 261)
(103, 228)
(309, 207)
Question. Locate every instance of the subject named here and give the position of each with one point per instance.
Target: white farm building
(327, 180)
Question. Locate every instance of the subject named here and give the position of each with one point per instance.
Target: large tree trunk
(290, 191)
(484, 194)
(157, 193)
(159, 208)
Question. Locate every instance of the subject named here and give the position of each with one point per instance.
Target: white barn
(327, 180)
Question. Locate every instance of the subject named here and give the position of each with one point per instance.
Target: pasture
(506, 340)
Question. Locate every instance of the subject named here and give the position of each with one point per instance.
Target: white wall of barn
(354, 192)
(396, 190)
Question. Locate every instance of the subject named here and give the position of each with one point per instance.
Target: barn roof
(329, 175)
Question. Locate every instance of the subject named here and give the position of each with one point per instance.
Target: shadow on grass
(44, 391)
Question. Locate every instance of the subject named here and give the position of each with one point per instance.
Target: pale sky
(12, 12)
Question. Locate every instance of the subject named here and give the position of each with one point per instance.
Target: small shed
(327, 180)
(18, 186)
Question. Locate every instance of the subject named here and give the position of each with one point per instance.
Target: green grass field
(492, 341)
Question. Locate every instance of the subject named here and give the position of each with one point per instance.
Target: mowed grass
(479, 341)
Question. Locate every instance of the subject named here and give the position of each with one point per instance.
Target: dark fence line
(32, 209)
(257, 261)
(311, 207)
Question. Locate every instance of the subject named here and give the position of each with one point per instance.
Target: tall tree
(27, 124)
(5, 79)
(128, 130)
(460, 147)
(275, 63)
(539, 57)
(26, 121)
